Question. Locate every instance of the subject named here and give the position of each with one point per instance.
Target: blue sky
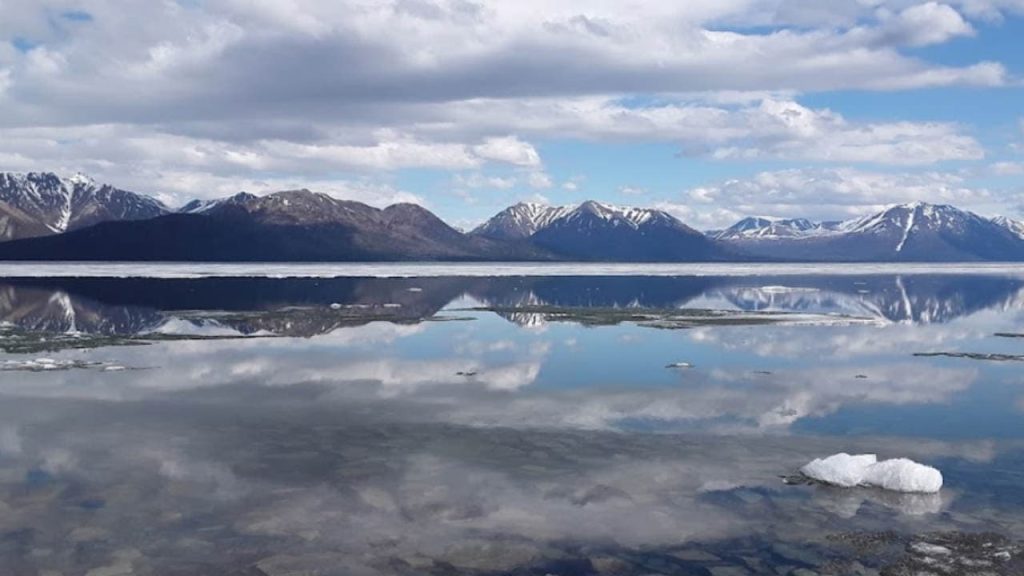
(711, 110)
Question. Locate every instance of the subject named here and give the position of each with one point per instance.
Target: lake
(506, 419)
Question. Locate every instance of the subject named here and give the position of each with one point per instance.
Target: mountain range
(46, 217)
(907, 232)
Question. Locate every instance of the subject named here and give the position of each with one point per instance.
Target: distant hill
(755, 228)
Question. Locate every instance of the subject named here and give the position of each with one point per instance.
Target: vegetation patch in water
(973, 356)
(51, 365)
(306, 321)
(665, 318)
(19, 341)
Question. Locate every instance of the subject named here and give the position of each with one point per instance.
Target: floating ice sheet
(476, 269)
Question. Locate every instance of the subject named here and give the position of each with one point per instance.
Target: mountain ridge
(917, 231)
(45, 216)
(297, 225)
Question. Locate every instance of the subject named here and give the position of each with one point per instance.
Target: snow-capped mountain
(597, 231)
(907, 219)
(1015, 226)
(592, 213)
(43, 203)
(922, 229)
(905, 232)
(768, 228)
(525, 219)
(520, 221)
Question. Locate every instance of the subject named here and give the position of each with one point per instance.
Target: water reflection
(367, 436)
(294, 307)
(178, 485)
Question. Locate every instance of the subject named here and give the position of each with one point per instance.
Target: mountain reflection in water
(115, 306)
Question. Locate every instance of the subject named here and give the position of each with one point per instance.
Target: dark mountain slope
(290, 226)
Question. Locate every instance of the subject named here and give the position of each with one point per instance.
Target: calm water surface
(522, 424)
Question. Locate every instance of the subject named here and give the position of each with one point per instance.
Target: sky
(709, 109)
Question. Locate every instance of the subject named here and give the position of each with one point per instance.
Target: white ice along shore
(898, 474)
(478, 269)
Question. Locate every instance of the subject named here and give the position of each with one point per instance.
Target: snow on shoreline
(478, 269)
(899, 474)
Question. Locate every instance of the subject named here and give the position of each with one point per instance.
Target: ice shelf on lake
(477, 269)
(898, 474)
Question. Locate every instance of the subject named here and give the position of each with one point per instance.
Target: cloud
(1007, 168)
(539, 180)
(221, 61)
(175, 186)
(477, 180)
(200, 62)
(509, 150)
(789, 130)
(320, 91)
(827, 193)
(989, 10)
(765, 128)
(178, 167)
(924, 24)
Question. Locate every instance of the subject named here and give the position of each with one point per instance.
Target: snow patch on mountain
(616, 215)
(1014, 226)
(532, 216)
(521, 220)
(906, 231)
(198, 206)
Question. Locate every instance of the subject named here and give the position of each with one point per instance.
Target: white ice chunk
(903, 475)
(930, 549)
(840, 469)
(899, 474)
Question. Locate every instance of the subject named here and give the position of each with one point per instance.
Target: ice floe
(50, 364)
(898, 474)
